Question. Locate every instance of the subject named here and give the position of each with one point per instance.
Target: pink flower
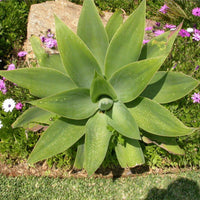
(145, 41)
(196, 11)
(11, 67)
(22, 53)
(19, 106)
(158, 32)
(170, 26)
(42, 38)
(184, 33)
(149, 28)
(196, 35)
(50, 42)
(3, 87)
(196, 98)
(164, 9)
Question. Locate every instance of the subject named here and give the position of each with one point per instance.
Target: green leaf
(77, 58)
(122, 121)
(41, 82)
(73, 104)
(166, 87)
(167, 143)
(79, 161)
(131, 80)
(160, 45)
(92, 32)
(97, 139)
(126, 45)
(52, 61)
(101, 87)
(130, 154)
(114, 23)
(155, 119)
(33, 115)
(61, 135)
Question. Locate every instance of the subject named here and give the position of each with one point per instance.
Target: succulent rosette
(103, 84)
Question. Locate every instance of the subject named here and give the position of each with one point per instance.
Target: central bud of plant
(105, 103)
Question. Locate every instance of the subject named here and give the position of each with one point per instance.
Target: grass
(181, 186)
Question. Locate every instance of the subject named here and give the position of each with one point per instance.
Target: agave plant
(103, 84)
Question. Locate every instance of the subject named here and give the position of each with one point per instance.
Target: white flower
(8, 105)
(189, 30)
(1, 125)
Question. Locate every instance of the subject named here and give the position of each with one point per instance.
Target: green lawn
(181, 186)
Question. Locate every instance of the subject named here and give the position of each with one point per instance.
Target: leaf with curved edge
(101, 87)
(97, 139)
(126, 44)
(131, 80)
(155, 119)
(167, 143)
(73, 104)
(92, 32)
(61, 135)
(77, 58)
(130, 154)
(44, 59)
(160, 45)
(41, 82)
(114, 23)
(166, 87)
(122, 121)
(79, 160)
(33, 115)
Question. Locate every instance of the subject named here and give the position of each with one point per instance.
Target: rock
(41, 18)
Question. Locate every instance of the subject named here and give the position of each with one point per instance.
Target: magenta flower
(19, 106)
(50, 43)
(197, 67)
(145, 41)
(196, 11)
(11, 67)
(170, 26)
(196, 98)
(3, 87)
(42, 38)
(158, 24)
(22, 53)
(149, 28)
(196, 35)
(164, 9)
(184, 33)
(158, 32)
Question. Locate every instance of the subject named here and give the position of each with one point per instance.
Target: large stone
(41, 18)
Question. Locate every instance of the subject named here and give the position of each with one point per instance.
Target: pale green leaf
(122, 121)
(130, 154)
(155, 119)
(166, 87)
(61, 135)
(101, 87)
(131, 80)
(44, 59)
(33, 115)
(73, 104)
(114, 23)
(97, 139)
(76, 57)
(126, 45)
(41, 82)
(92, 32)
(79, 160)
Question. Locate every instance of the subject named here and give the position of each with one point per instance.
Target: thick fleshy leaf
(101, 87)
(33, 115)
(77, 58)
(41, 82)
(167, 143)
(122, 121)
(92, 32)
(125, 47)
(166, 87)
(61, 135)
(160, 45)
(131, 80)
(130, 154)
(79, 161)
(44, 59)
(114, 23)
(73, 104)
(97, 139)
(155, 119)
